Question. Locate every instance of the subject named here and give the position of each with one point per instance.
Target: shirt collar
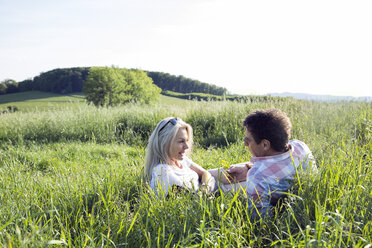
(278, 157)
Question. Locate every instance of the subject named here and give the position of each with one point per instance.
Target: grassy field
(39, 101)
(70, 176)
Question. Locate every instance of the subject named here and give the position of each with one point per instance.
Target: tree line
(182, 84)
(237, 98)
(71, 80)
(61, 81)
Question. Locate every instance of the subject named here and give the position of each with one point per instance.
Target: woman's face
(179, 145)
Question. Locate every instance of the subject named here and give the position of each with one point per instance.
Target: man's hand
(238, 172)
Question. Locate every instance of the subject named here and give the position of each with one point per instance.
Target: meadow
(71, 176)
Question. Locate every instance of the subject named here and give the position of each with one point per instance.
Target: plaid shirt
(271, 176)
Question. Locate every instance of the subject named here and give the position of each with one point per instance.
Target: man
(274, 163)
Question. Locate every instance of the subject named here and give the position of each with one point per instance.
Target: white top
(164, 176)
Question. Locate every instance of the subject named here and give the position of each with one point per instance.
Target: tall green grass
(214, 123)
(73, 178)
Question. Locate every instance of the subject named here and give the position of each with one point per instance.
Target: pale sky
(249, 47)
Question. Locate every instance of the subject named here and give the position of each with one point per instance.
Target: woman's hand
(208, 182)
(206, 179)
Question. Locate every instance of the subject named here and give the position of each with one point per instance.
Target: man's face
(257, 150)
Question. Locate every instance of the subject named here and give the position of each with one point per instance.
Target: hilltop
(70, 80)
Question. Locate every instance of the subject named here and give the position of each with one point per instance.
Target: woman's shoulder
(160, 167)
(161, 170)
(186, 161)
(168, 168)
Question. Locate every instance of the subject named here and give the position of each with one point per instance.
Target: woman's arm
(221, 175)
(204, 176)
(200, 171)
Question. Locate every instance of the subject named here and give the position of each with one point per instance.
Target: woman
(167, 165)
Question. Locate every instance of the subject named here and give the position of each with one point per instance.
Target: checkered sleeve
(265, 184)
(256, 189)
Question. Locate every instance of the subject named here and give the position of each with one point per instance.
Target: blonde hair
(157, 150)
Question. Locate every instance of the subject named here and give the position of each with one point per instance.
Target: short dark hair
(272, 125)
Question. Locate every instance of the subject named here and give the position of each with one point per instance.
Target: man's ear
(266, 144)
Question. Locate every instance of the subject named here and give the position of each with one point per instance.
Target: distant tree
(8, 86)
(109, 86)
(3, 88)
(98, 86)
(12, 86)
